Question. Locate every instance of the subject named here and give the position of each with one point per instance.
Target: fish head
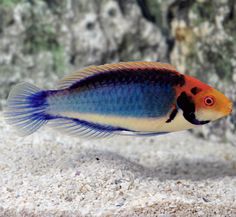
(211, 104)
(202, 103)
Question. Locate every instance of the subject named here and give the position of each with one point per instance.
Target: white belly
(135, 124)
(179, 123)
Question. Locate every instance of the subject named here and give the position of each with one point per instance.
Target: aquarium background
(43, 40)
(189, 174)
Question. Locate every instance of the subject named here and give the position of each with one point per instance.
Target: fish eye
(209, 101)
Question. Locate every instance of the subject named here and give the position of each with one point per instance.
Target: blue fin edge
(25, 109)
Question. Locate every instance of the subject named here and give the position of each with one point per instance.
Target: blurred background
(43, 40)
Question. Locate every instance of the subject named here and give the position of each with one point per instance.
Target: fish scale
(121, 100)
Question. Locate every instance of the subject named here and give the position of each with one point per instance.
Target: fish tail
(26, 108)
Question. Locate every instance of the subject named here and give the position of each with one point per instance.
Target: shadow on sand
(173, 170)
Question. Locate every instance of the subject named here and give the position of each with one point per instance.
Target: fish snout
(230, 107)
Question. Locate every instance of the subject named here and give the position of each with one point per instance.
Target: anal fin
(81, 128)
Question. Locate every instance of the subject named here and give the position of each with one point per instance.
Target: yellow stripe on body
(135, 124)
(131, 123)
(179, 123)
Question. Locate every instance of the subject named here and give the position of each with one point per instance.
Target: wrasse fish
(134, 98)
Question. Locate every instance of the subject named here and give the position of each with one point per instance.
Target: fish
(126, 98)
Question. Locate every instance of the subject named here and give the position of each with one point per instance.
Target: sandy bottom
(49, 174)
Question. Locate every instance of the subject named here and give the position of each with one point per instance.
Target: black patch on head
(186, 103)
(172, 115)
(195, 90)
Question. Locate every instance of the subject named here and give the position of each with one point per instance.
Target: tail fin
(25, 109)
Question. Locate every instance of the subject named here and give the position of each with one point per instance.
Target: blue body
(130, 100)
(131, 94)
(127, 92)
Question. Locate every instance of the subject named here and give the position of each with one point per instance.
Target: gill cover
(186, 104)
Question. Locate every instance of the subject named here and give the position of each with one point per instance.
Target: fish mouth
(227, 110)
(230, 108)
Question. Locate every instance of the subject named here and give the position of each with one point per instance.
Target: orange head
(201, 103)
(212, 104)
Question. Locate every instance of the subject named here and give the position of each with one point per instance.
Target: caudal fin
(25, 109)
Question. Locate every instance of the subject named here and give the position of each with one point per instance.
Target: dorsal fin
(92, 70)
